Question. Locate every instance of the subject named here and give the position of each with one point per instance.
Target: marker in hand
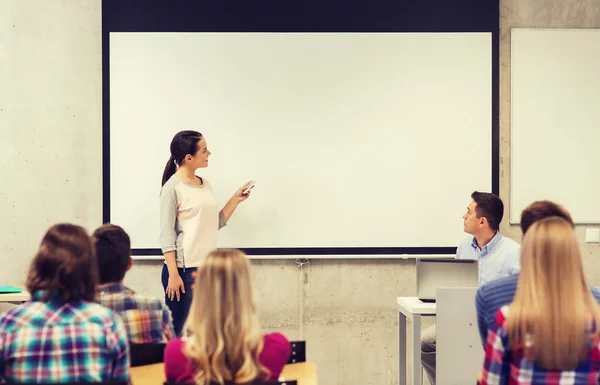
(249, 187)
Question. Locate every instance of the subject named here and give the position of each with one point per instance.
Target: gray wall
(50, 159)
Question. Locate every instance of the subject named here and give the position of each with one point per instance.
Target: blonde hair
(224, 339)
(553, 306)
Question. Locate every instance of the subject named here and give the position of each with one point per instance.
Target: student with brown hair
(224, 342)
(548, 333)
(62, 334)
(147, 320)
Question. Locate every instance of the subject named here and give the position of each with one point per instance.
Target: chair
(298, 352)
(146, 354)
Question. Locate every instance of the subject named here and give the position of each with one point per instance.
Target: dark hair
(540, 210)
(65, 265)
(113, 251)
(183, 143)
(490, 207)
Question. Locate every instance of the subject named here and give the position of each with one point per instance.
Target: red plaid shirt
(503, 365)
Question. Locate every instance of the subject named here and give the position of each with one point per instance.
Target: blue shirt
(492, 296)
(497, 259)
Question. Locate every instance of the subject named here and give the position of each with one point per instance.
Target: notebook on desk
(10, 289)
(434, 273)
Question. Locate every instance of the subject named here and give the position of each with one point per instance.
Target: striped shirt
(493, 295)
(147, 320)
(507, 365)
(56, 342)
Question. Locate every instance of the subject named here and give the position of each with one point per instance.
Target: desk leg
(417, 368)
(402, 342)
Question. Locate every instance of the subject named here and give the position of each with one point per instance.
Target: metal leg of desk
(402, 375)
(417, 368)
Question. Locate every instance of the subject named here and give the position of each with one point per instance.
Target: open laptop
(433, 273)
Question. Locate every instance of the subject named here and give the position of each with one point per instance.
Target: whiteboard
(354, 140)
(555, 120)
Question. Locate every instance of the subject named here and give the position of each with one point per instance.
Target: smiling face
(200, 158)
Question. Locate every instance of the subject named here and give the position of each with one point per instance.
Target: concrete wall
(50, 159)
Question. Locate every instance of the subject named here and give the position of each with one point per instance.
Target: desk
(413, 308)
(304, 372)
(14, 297)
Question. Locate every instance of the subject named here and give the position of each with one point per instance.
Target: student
(493, 295)
(548, 333)
(61, 334)
(224, 340)
(497, 257)
(189, 219)
(147, 320)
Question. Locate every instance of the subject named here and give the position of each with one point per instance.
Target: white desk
(14, 297)
(413, 308)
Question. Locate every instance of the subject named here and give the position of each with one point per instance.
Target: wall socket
(592, 235)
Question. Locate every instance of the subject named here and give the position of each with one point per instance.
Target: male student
(493, 295)
(497, 257)
(147, 320)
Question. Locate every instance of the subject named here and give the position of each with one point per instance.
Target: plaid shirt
(503, 365)
(147, 320)
(62, 342)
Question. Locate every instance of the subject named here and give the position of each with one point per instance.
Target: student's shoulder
(276, 341)
(174, 349)
(510, 243)
(504, 286)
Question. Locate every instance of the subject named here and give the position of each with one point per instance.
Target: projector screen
(355, 140)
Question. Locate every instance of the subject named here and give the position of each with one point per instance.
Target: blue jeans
(179, 309)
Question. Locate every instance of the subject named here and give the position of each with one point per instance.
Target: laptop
(434, 273)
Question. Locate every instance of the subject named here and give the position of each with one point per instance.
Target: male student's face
(471, 222)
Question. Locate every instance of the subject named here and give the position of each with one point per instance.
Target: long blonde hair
(224, 339)
(553, 304)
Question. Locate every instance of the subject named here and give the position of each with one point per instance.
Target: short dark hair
(113, 248)
(64, 265)
(490, 207)
(539, 210)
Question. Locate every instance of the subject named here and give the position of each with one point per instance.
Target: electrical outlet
(592, 235)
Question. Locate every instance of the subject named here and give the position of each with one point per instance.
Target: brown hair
(182, 144)
(64, 265)
(113, 249)
(490, 207)
(543, 209)
(553, 304)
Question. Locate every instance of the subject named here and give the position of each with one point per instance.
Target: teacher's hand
(239, 195)
(175, 284)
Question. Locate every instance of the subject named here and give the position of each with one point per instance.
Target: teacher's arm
(232, 204)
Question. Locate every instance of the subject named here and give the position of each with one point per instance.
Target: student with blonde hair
(224, 342)
(548, 334)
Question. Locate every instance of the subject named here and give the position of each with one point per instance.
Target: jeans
(179, 309)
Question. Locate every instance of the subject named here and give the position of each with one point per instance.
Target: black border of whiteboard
(301, 16)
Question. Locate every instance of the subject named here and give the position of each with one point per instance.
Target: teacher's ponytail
(170, 169)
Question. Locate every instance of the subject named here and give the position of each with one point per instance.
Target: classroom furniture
(14, 298)
(459, 351)
(555, 94)
(146, 354)
(411, 308)
(298, 353)
(305, 373)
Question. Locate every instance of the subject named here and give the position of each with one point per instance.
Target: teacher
(189, 220)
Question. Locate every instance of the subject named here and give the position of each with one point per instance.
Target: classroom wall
(50, 159)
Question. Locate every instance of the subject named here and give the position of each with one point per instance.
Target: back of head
(182, 144)
(225, 340)
(489, 206)
(553, 303)
(542, 209)
(65, 265)
(113, 251)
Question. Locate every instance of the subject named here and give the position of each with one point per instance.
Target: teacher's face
(200, 158)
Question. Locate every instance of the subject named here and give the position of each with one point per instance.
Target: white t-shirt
(189, 221)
